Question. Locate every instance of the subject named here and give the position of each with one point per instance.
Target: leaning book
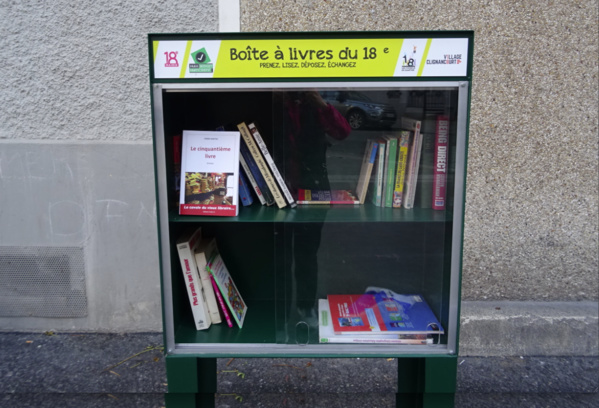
(228, 289)
(376, 313)
(209, 173)
(326, 332)
(187, 244)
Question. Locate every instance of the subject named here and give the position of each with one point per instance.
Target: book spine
(253, 169)
(390, 171)
(228, 289)
(440, 162)
(245, 193)
(424, 189)
(255, 151)
(414, 161)
(201, 262)
(402, 160)
(193, 285)
(221, 302)
(380, 170)
(271, 163)
(251, 179)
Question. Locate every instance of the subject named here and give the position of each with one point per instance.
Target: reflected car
(361, 111)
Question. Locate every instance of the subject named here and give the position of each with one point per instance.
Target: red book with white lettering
(187, 244)
(209, 173)
(440, 163)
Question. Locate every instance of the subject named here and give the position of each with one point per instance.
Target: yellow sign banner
(307, 58)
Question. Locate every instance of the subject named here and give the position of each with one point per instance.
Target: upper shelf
(324, 213)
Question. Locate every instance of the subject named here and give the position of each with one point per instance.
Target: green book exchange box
(310, 193)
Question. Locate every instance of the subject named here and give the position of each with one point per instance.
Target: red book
(441, 162)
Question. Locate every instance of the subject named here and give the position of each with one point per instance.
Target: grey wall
(76, 163)
(531, 226)
(75, 139)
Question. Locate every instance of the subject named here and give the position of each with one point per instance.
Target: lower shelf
(278, 331)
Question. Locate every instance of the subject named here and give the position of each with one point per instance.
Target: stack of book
(213, 295)
(261, 173)
(378, 316)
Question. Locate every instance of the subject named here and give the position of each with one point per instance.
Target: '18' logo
(171, 59)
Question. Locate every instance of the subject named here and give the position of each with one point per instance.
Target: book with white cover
(209, 173)
(186, 246)
(202, 254)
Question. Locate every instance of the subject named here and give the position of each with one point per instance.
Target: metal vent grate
(42, 282)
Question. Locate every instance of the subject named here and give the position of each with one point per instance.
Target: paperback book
(326, 332)
(377, 312)
(202, 254)
(413, 160)
(366, 170)
(209, 173)
(187, 244)
(227, 288)
(440, 162)
(271, 164)
(402, 160)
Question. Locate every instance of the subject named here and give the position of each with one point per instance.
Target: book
(251, 179)
(378, 173)
(305, 196)
(254, 175)
(440, 162)
(186, 246)
(209, 173)
(390, 170)
(326, 333)
(271, 164)
(203, 253)
(227, 288)
(366, 170)
(266, 173)
(221, 302)
(402, 161)
(424, 189)
(413, 161)
(245, 190)
(376, 313)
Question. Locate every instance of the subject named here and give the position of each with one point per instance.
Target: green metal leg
(191, 382)
(426, 382)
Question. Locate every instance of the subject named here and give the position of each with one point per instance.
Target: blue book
(251, 163)
(245, 193)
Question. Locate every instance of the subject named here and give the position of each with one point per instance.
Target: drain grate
(42, 282)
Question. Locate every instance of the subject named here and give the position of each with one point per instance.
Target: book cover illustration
(187, 244)
(326, 332)
(377, 312)
(209, 173)
(227, 288)
(305, 196)
(440, 162)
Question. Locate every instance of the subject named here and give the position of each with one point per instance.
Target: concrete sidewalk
(111, 370)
